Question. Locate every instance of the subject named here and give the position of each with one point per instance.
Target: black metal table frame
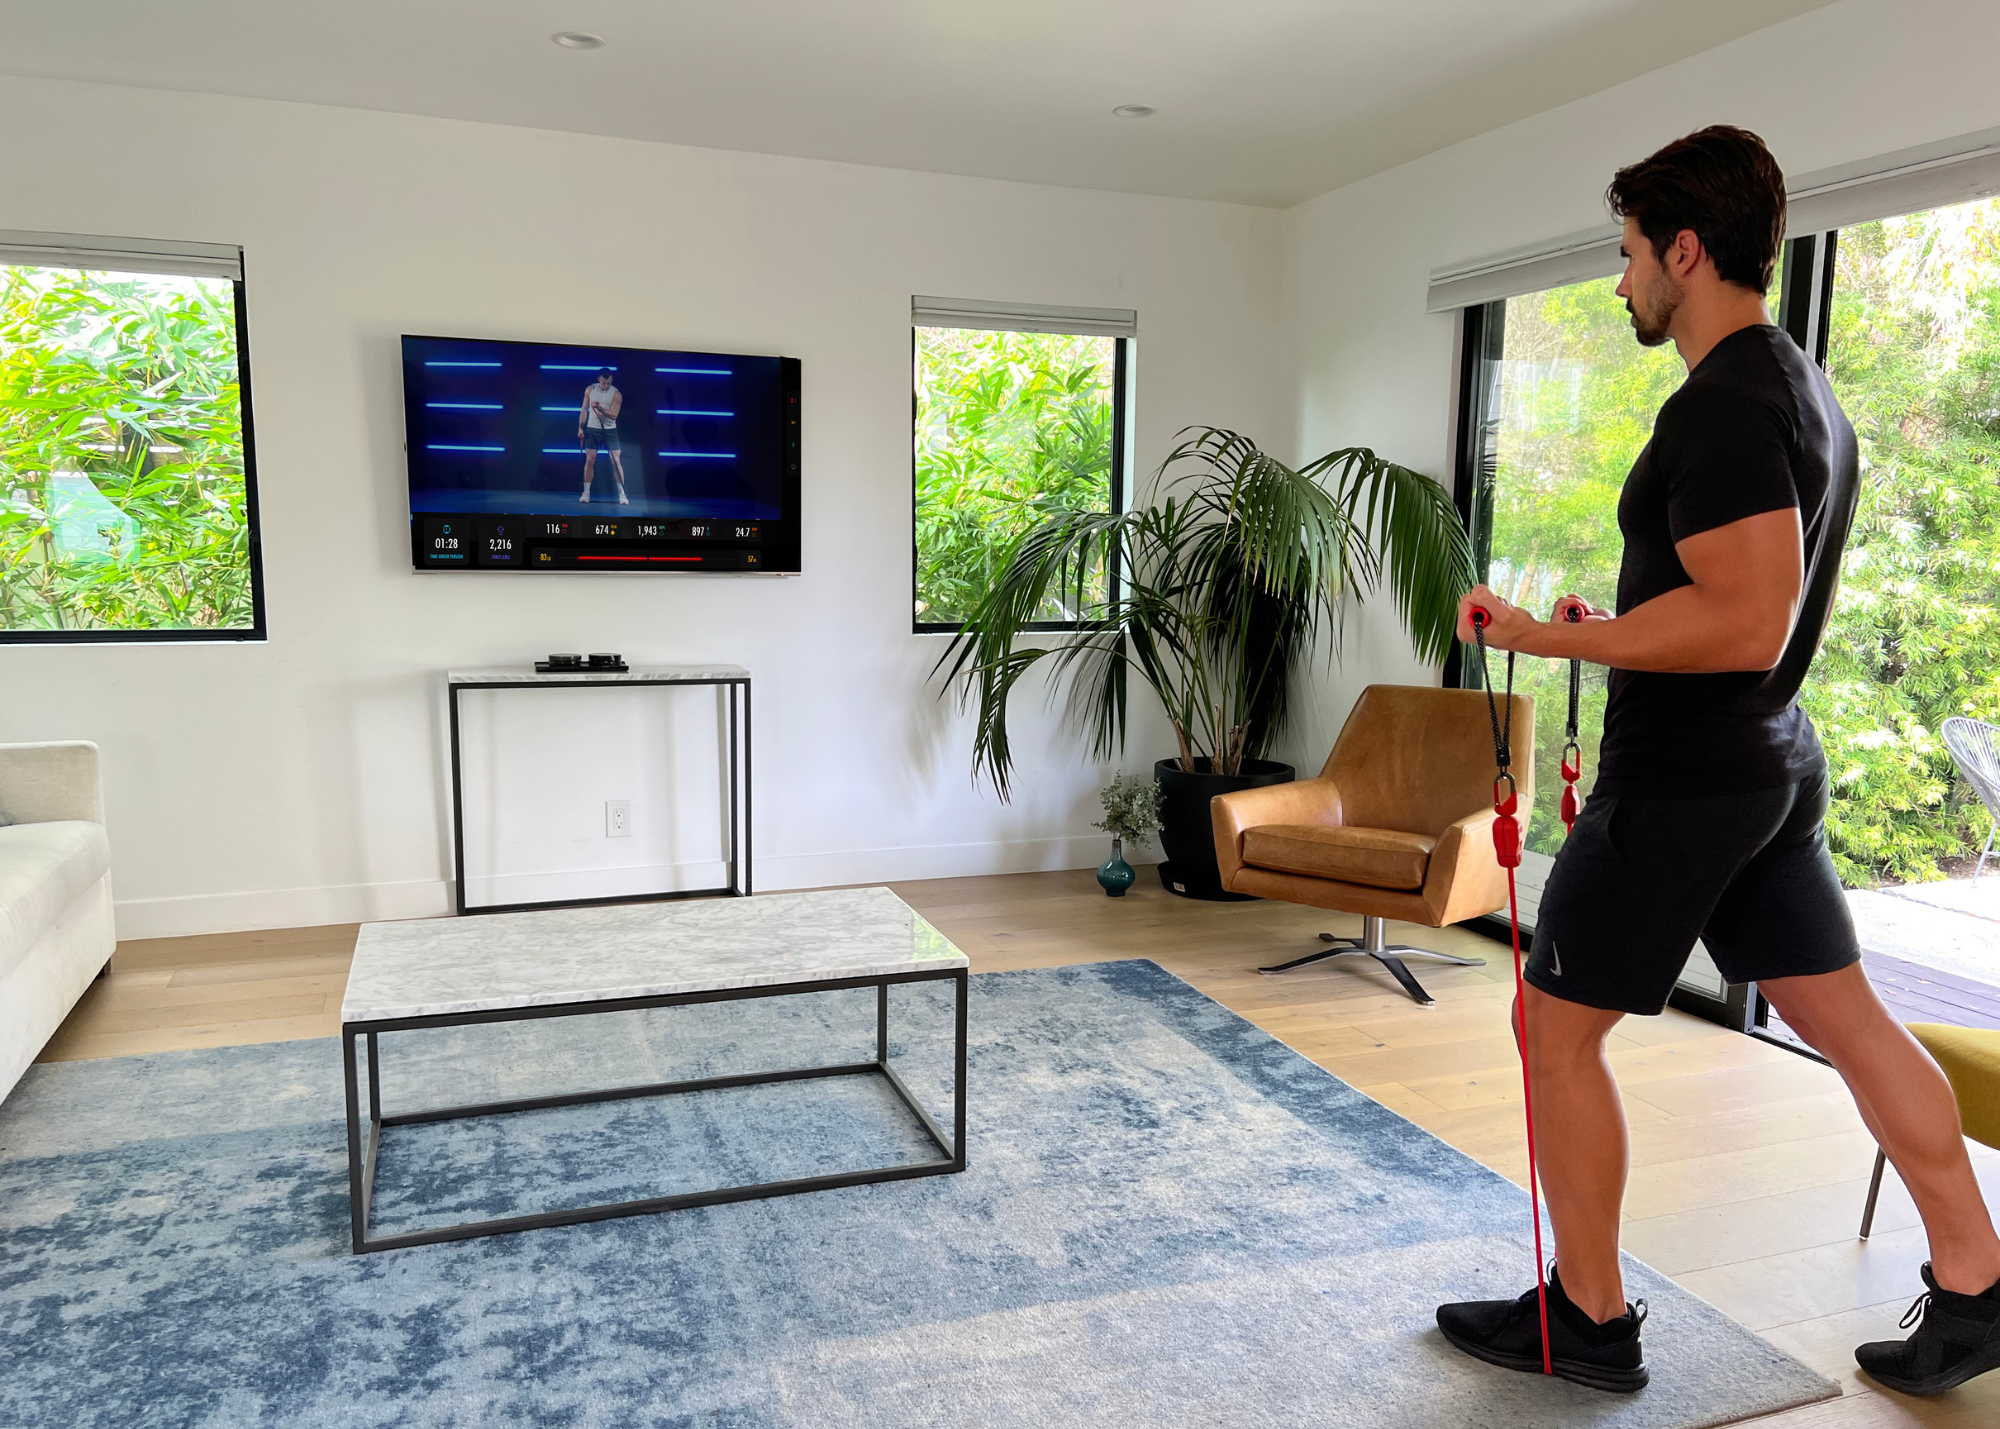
(363, 1148)
(739, 828)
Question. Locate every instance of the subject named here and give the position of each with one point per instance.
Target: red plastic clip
(1572, 770)
(1506, 827)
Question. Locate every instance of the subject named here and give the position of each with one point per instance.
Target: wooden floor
(1749, 1163)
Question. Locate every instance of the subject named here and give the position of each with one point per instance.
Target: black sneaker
(1508, 1333)
(1957, 1337)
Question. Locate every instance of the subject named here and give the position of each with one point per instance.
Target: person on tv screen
(597, 426)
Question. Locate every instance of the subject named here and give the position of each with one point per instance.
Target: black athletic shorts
(606, 437)
(1641, 878)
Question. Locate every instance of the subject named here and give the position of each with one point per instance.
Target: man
(597, 426)
(1708, 809)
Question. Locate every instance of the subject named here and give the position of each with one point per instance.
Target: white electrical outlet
(617, 818)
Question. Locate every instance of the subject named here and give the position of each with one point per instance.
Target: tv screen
(527, 456)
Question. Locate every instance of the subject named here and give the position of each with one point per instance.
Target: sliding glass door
(1912, 347)
(1913, 350)
(1556, 401)
(1563, 399)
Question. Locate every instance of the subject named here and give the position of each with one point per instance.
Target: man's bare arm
(1748, 578)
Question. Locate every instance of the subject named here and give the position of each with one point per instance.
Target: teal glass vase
(1116, 875)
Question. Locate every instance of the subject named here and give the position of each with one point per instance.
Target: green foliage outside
(1576, 403)
(1914, 355)
(122, 496)
(1006, 423)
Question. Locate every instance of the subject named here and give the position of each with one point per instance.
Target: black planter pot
(1187, 832)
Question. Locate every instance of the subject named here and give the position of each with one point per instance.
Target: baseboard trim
(281, 908)
(249, 911)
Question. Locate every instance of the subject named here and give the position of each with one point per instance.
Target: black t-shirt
(1755, 428)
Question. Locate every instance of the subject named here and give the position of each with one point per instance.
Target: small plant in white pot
(1131, 811)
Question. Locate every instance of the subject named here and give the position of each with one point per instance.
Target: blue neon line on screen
(731, 456)
(449, 447)
(696, 371)
(686, 412)
(471, 406)
(566, 407)
(578, 366)
(461, 364)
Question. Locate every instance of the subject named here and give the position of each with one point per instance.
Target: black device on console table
(552, 457)
(596, 664)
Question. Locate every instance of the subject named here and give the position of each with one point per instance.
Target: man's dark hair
(1721, 182)
(603, 372)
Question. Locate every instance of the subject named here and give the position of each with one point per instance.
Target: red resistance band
(1507, 850)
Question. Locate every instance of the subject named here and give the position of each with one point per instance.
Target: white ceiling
(1260, 101)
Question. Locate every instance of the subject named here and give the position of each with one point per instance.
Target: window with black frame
(128, 506)
(1015, 411)
(1904, 314)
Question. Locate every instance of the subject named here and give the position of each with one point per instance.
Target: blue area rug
(1170, 1219)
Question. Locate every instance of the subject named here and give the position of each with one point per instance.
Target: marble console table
(734, 678)
(447, 973)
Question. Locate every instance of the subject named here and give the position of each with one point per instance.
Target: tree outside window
(1574, 405)
(1007, 425)
(1914, 354)
(124, 503)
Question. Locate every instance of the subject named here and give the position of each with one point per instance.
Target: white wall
(300, 781)
(1848, 82)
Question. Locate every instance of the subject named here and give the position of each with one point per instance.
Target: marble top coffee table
(563, 963)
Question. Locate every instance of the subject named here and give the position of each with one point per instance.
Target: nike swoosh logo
(1555, 959)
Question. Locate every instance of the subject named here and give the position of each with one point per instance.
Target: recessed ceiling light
(578, 40)
(1135, 111)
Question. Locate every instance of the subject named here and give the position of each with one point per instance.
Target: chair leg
(1396, 969)
(1980, 867)
(1452, 958)
(1874, 1190)
(1324, 953)
(1374, 942)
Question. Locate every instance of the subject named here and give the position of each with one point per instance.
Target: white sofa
(55, 893)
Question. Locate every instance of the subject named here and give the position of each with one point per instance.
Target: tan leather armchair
(1397, 825)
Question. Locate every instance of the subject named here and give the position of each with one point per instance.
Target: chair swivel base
(1373, 942)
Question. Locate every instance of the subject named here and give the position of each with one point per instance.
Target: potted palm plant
(1216, 591)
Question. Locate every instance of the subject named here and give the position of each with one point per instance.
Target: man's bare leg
(1580, 1145)
(618, 476)
(1909, 1107)
(589, 471)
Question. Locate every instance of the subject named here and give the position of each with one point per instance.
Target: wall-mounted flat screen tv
(541, 456)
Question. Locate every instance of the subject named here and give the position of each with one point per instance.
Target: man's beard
(1651, 330)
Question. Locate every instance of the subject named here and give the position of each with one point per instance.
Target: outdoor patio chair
(1975, 749)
